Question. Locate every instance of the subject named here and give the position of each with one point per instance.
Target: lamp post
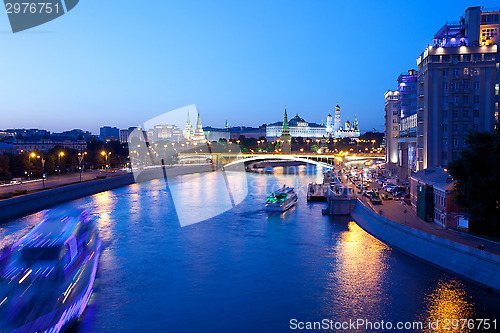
(43, 170)
(29, 164)
(59, 161)
(80, 160)
(103, 153)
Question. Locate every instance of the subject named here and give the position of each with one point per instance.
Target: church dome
(297, 119)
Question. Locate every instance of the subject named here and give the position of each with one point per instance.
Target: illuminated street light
(61, 154)
(29, 164)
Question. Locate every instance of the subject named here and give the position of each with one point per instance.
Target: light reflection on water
(358, 279)
(446, 304)
(247, 270)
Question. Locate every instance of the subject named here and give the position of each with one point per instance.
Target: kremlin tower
(285, 138)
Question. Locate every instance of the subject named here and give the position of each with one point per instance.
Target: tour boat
(47, 277)
(281, 200)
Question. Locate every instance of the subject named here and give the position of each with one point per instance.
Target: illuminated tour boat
(47, 277)
(281, 200)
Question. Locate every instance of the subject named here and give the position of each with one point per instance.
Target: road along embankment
(33, 202)
(473, 264)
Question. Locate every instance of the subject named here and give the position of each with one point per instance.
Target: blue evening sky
(121, 63)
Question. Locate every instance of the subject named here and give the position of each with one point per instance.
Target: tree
(478, 182)
(4, 168)
(314, 148)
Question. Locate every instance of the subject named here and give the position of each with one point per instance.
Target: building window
(466, 71)
(445, 143)
(476, 85)
(445, 71)
(466, 57)
(466, 114)
(476, 71)
(445, 128)
(455, 114)
(476, 99)
(455, 72)
(477, 57)
(395, 112)
(465, 128)
(445, 86)
(488, 57)
(476, 113)
(476, 127)
(456, 58)
(445, 114)
(455, 128)
(466, 98)
(466, 84)
(455, 99)
(454, 155)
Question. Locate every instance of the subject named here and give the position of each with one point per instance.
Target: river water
(246, 269)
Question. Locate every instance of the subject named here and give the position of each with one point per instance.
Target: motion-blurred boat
(47, 277)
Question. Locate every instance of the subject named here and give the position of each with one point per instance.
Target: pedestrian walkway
(403, 214)
(54, 181)
(395, 211)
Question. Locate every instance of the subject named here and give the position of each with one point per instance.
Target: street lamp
(80, 160)
(103, 153)
(61, 154)
(29, 164)
(43, 170)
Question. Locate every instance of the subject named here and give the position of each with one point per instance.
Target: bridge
(232, 159)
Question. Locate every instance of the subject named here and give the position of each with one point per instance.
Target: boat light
(25, 276)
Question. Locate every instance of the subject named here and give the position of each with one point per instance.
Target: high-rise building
(391, 130)
(458, 86)
(407, 113)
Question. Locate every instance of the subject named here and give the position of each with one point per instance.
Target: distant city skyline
(103, 64)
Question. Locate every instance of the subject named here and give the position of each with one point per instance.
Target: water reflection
(446, 304)
(356, 282)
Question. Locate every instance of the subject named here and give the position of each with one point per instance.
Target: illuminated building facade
(165, 133)
(407, 113)
(457, 88)
(298, 127)
(391, 130)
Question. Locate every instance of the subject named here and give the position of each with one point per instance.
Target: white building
(301, 128)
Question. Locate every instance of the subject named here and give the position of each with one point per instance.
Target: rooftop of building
(4, 145)
(435, 176)
(46, 137)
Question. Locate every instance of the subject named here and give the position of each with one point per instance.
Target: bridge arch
(278, 157)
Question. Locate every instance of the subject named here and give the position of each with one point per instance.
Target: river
(246, 269)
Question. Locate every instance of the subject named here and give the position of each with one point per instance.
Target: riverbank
(33, 202)
(469, 262)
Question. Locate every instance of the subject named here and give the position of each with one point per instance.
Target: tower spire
(285, 138)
